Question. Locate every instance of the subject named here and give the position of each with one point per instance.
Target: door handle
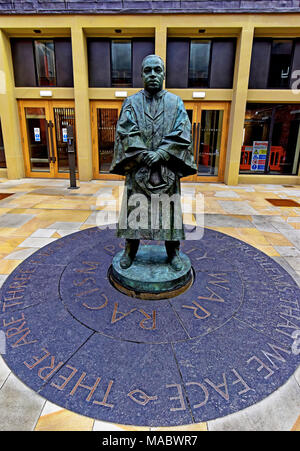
(52, 156)
(48, 144)
(198, 143)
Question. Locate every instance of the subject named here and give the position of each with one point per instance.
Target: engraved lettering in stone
(13, 320)
(240, 380)
(91, 267)
(66, 379)
(110, 248)
(17, 330)
(225, 393)
(261, 367)
(22, 340)
(118, 315)
(142, 398)
(37, 360)
(220, 280)
(198, 307)
(147, 318)
(276, 356)
(82, 282)
(290, 312)
(205, 391)
(204, 256)
(11, 332)
(51, 367)
(213, 297)
(179, 397)
(104, 402)
(99, 307)
(84, 293)
(287, 324)
(91, 389)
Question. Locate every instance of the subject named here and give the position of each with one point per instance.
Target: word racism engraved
(225, 344)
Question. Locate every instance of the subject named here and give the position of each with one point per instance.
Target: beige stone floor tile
(125, 427)
(268, 250)
(63, 216)
(8, 245)
(189, 219)
(8, 231)
(56, 235)
(5, 210)
(7, 266)
(296, 426)
(295, 225)
(64, 420)
(31, 226)
(248, 235)
(27, 211)
(188, 428)
(276, 239)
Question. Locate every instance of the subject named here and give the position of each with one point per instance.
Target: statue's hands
(151, 157)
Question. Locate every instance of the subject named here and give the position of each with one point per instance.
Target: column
(82, 107)
(9, 113)
(238, 105)
(161, 42)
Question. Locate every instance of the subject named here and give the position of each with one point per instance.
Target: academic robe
(152, 123)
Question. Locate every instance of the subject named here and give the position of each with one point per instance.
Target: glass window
(199, 63)
(121, 63)
(271, 139)
(106, 123)
(45, 63)
(280, 63)
(2, 154)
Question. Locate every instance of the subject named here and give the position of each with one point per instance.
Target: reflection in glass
(280, 63)
(45, 63)
(273, 132)
(37, 139)
(208, 142)
(199, 63)
(64, 117)
(121, 63)
(106, 123)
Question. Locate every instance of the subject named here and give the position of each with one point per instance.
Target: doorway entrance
(210, 128)
(44, 137)
(104, 117)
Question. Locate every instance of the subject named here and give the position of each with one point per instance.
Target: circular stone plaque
(224, 344)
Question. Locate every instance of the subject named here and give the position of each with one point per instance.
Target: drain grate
(283, 202)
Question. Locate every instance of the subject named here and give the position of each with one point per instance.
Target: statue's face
(153, 74)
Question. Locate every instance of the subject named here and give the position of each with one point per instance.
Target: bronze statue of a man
(153, 149)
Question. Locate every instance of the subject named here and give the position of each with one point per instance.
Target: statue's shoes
(176, 263)
(125, 261)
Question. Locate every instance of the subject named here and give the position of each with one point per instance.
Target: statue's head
(153, 73)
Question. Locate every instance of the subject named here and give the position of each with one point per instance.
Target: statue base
(151, 276)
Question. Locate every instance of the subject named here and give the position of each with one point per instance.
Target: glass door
(209, 127)
(104, 120)
(44, 137)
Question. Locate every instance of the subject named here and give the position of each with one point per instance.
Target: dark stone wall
(146, 6)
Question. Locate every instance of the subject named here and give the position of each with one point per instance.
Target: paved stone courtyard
(39, 212)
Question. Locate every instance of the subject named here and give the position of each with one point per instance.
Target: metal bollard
(71, 157)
